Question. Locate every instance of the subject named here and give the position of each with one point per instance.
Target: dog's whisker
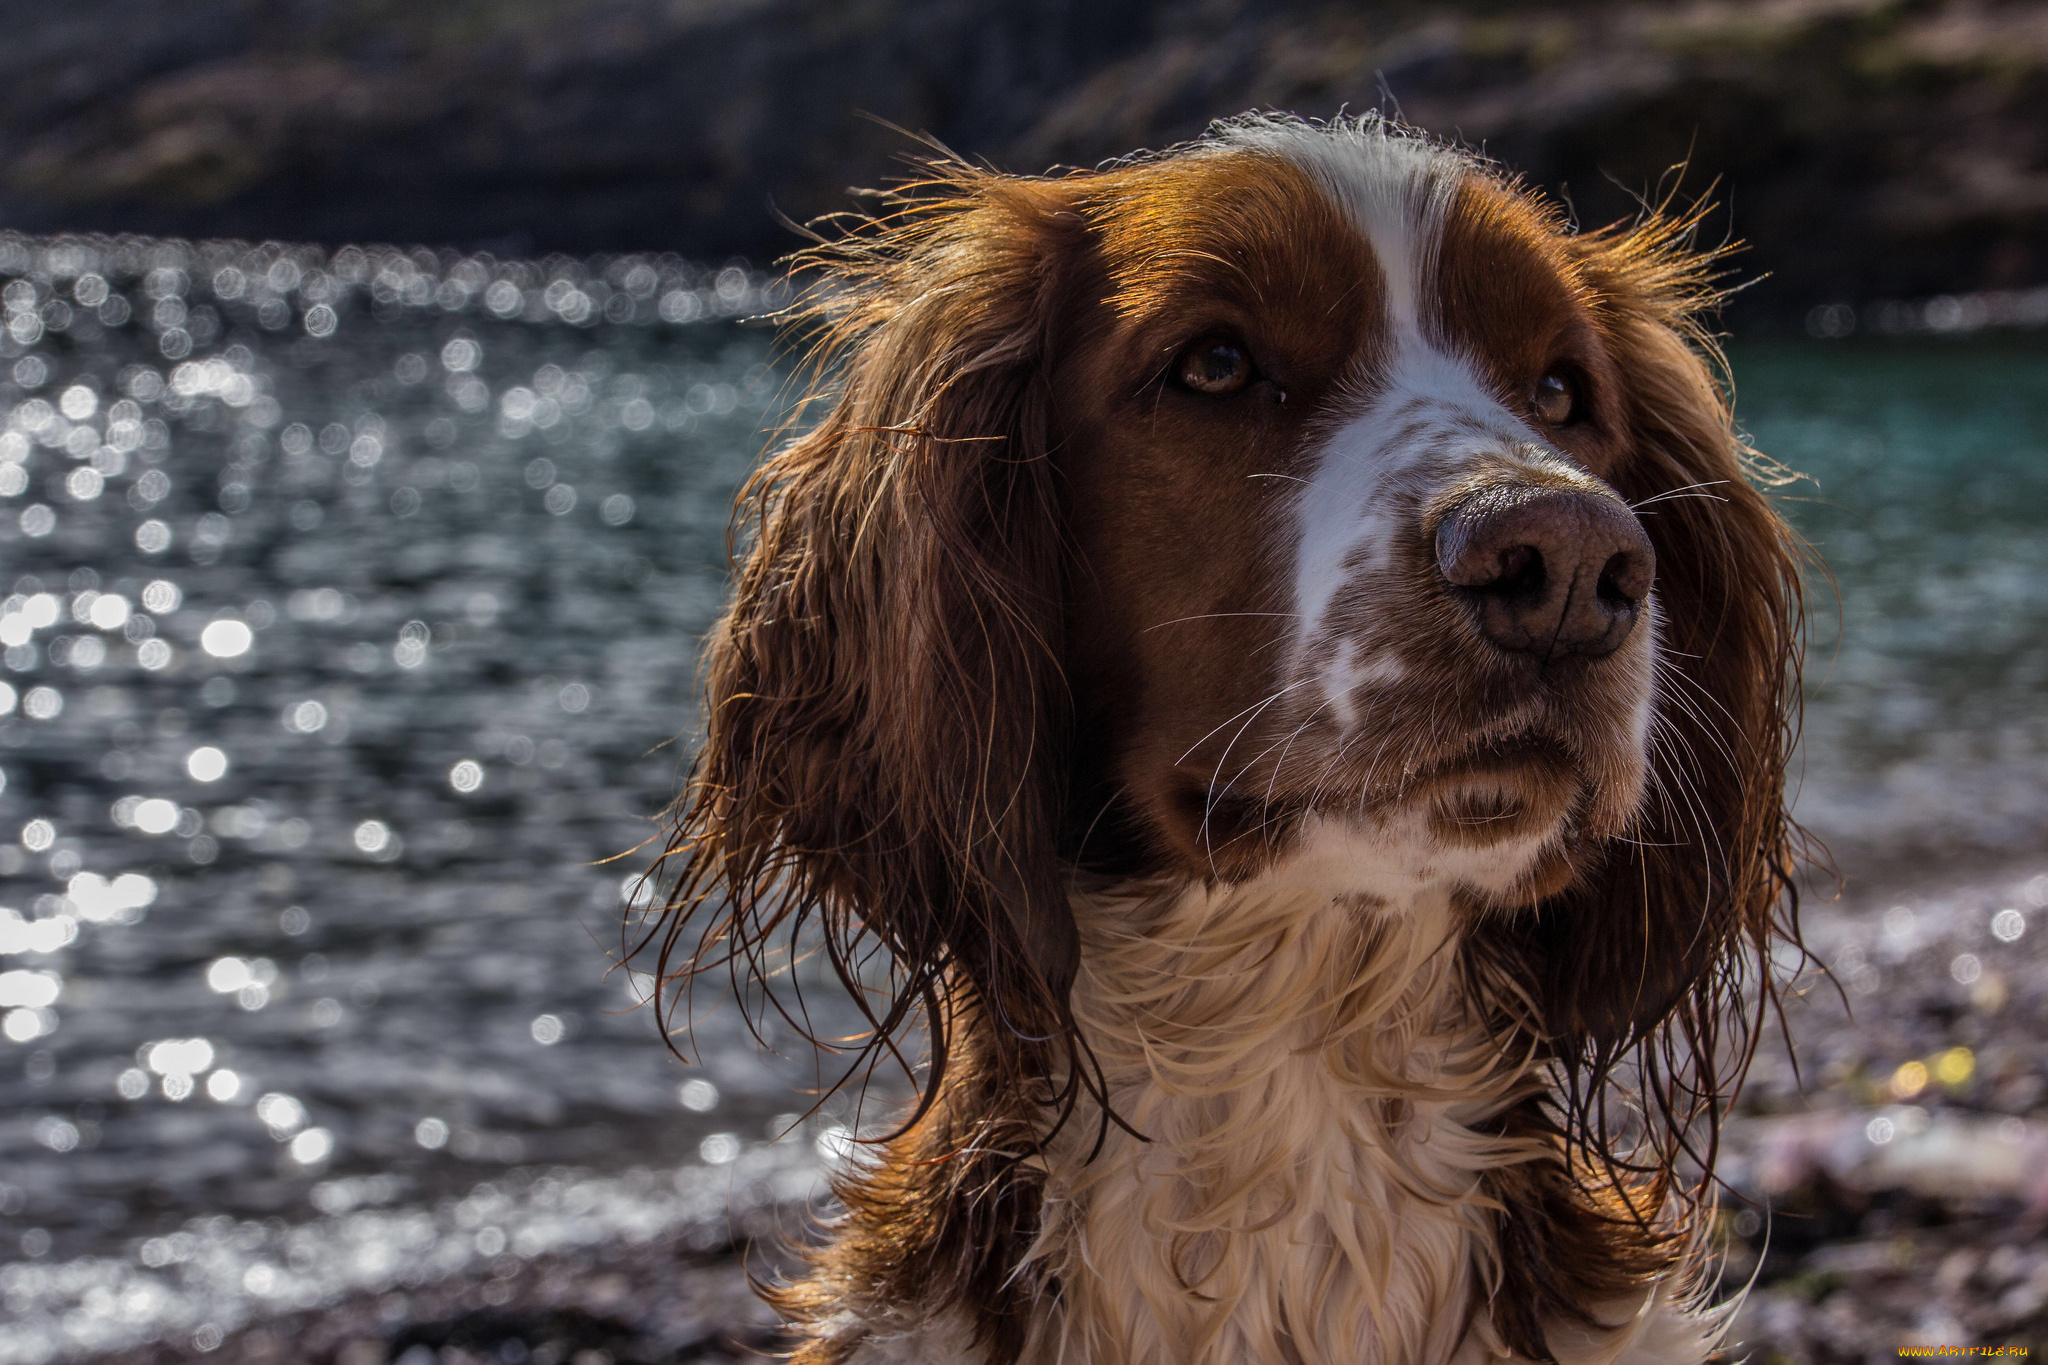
(1220, 616)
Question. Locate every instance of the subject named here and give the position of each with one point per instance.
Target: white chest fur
(1307, 1085)
(1313, 1096)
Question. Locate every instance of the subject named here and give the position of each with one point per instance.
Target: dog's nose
(1549, 571)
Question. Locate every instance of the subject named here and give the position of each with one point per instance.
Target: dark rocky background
(1866, 148)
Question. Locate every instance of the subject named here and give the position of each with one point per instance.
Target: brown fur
(1642, 958)
(978, 616)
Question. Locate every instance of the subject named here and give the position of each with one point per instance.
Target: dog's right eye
(1214, 366)
(1557, 399)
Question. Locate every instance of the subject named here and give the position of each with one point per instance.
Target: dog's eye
(1557, 399)
(1215, 366)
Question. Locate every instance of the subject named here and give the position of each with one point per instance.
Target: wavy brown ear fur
(1654, 970)
(885, 713)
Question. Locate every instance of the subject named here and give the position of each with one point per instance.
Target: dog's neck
(1310, 1090)
(1318, 1154)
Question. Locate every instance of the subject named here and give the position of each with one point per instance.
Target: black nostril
(1521, 572)
(1548, 571)
(1613, 575)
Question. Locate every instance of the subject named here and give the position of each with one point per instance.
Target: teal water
(348, 617)
(1926, 736)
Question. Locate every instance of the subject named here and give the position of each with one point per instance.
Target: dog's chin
(1510, 796)
(1520, 821)
(1504, 825)
(1514, 823)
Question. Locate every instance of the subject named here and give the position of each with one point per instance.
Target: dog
(1271, 664)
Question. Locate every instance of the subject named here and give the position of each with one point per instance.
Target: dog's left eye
(1556, 399)
(1214, 366)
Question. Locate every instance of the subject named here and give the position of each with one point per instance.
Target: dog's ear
(1664, 943)
(885, 712)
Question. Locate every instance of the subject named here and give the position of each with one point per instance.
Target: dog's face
(1337, 444)
(1308, 498)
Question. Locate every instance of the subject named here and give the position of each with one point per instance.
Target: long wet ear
(1655, 968)
(1664, 940)
(885, 714)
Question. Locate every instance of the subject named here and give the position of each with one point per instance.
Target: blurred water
(1926, 736)
(353, 607)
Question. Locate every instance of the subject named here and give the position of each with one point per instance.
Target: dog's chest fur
(1312, 1104)
(1309, 1092)
(1312, 1112)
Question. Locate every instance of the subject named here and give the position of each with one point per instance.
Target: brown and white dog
(1272, 665)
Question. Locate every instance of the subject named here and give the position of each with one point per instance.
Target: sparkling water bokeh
(350, 631)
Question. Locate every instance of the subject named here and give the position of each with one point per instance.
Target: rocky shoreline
(1901, 1199)
(1898, 1199)
(1868, 149)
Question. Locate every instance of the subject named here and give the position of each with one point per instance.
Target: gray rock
(1868, 149)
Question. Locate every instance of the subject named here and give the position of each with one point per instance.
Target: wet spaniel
(1268, 674)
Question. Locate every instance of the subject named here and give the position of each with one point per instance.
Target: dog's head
(1308, 493)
